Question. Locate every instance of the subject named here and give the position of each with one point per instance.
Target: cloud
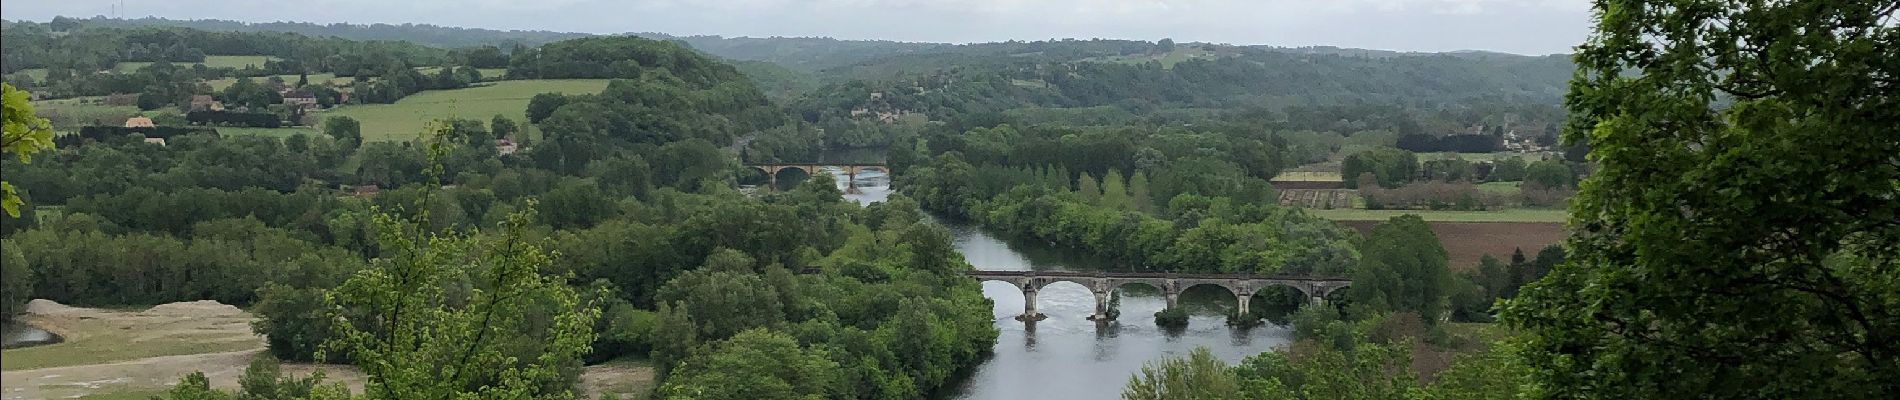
(1521, 26)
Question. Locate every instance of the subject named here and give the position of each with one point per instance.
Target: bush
(228, 118)
(105, 133)
(1389, 166)
(293, 321)
(1172, 318)
(1461, 196)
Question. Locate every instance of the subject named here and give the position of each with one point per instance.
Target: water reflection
(16, 335)
(1067, 356)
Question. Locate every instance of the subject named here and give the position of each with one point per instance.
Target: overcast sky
(1515, 26)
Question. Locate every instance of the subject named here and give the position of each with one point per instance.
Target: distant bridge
(1171, 284)
(850, 169)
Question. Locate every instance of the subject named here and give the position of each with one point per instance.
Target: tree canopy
(1741, 226)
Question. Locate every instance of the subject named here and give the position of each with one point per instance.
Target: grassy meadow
(406, 118)
(210, 61)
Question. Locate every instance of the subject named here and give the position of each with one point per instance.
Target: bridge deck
(1163, 275)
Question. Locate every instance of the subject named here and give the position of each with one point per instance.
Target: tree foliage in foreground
(23, 135)
(429, 338)
(1744, 225)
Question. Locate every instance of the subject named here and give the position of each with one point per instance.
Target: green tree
(23, 134)
(421, 344)
(1138, 193)
(1091, 192)
(1402, 267)
(1548, 174)
(1508, 170)
(1738, 239)
(723, 303)
(346, 130)
(674, 337)
(1199, 376)
(1115, 193)
(1390, 167)
(503, 127)
(16, 280)
(755, 364)
(1488, 374)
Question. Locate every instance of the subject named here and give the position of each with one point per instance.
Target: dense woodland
(444, 268)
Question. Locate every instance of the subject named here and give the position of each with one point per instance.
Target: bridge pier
(851, 179)
(1029, 305)
(1241, 298)
(1101, 306)
(1174, 298)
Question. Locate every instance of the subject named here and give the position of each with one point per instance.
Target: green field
(238, 62)
(1510, 215)
(38, 74)
(405, 119)
(66, 114)
(210, 61)
(487, 73)
(1509, 188)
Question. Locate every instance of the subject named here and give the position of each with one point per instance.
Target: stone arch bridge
(1171, 284)
(851, 170)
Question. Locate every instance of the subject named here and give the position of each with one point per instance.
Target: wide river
(1067, 356)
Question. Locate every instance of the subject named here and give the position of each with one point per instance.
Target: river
(1067, 356)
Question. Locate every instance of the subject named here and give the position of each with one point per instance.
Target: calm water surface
(1067, 356)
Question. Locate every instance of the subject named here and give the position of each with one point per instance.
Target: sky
(1532, 27)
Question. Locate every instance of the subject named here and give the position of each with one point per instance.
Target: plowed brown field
(1467, 242)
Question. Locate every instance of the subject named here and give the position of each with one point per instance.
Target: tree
(1091, 192)
(723, 303)
(1141, 199)
(674, 337)
(1402, 267)
(1741, 226)
(543, 105)
(503, 127)
(755, 364)
(344, 129)
(24, 134)
(1548, 174)
(1390, 166)
(1508, 170)
(16, 280)
(1199, 376)
(420, 344)
(1115, 193)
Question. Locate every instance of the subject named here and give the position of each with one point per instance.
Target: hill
(424, 34)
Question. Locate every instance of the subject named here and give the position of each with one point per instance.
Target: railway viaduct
(1171, 284)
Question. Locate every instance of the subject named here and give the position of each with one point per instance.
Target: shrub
(1172, 318)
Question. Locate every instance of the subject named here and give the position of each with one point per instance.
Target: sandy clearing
(189, 325)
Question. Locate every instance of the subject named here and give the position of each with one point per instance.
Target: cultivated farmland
(406, 118)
